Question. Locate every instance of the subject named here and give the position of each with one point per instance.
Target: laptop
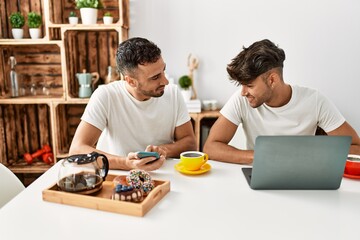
(298, 162)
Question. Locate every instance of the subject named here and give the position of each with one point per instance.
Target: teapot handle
(105, 168)
(95, 78)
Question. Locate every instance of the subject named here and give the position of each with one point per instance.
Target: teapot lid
(89, 158)
(84, 72)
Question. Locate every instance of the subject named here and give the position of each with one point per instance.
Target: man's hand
(161, 150)
(148, 163)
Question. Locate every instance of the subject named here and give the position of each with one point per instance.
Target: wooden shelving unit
(197, 118)
(48, 67)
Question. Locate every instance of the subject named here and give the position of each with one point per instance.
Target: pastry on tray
(133, 187)
(126, 193)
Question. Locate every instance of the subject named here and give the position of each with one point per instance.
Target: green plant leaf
(34, 20)
(88, 4)
(185, 82)
(72, 14)
(17, 20)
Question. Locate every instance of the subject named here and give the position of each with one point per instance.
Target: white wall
(321, 39)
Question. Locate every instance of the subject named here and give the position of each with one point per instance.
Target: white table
(215, 205)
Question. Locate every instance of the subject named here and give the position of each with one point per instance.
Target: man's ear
(273, 79)
(130, 81)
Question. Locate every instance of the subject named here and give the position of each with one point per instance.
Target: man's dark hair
(135, 51)
(255, 60)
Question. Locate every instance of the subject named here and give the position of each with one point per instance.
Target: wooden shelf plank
(23, 167)
(29, 42)
(62, 155)
(88, 27)
(32, 100)
(77, 100)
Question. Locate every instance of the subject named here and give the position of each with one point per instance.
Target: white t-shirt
(306, 110)
(129, 125)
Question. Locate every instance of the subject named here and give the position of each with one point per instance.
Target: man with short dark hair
(142, 113)
(266, 105)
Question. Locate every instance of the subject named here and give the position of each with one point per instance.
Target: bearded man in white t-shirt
(143, 112)
(266, 105)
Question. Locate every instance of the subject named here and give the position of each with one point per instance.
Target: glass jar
(112, 75)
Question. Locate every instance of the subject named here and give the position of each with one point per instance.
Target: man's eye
(155, 77)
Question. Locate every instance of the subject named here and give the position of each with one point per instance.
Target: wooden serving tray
(101, 200)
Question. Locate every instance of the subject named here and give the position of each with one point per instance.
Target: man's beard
(152, 93)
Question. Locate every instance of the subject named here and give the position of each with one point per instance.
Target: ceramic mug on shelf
(193, 160)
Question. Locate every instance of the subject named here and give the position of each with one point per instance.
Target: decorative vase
(18, 33)
(108, 20)
(34, 33)
(73, 20)
(186, 94)
(88, 15)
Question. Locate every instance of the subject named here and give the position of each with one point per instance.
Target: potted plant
(88, 10)
(185, 85)
(108, 18)
(73, 18)
(17, 22)
(34, 22)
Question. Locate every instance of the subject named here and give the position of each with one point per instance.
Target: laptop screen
(299, 162)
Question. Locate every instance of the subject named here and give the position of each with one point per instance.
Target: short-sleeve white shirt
(306, 110)
(129, 125)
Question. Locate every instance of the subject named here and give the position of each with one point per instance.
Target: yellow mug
(193, 160)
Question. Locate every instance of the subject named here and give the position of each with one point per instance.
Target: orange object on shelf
(45, 153)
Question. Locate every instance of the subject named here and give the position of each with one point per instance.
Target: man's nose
(164, 81)
(244, 90)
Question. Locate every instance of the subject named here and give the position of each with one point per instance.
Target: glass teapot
(82, 173)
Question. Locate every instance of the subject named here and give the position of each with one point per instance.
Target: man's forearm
(354, 149)
(115, 162)
(173, 150)
(226, 153)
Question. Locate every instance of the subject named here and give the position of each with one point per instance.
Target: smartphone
(148, 154)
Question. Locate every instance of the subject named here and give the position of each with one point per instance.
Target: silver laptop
(298, 162)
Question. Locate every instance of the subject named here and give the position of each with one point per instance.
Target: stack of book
(193, 106)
